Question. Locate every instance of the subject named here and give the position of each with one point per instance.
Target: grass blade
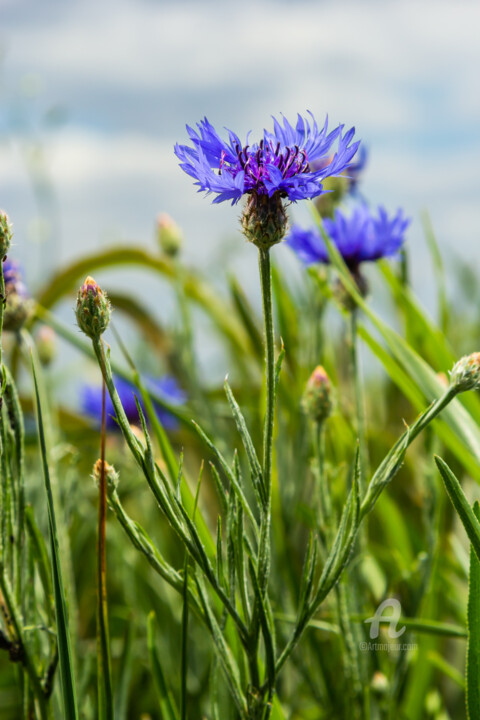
(461, 504)
(168, 709)
(473, 624)
(70, 707)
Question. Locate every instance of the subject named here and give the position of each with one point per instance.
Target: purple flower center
(257, 162)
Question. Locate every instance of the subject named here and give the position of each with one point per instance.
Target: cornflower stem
(163, 495)
(373, 492)
(359, 398)
(15, 626)
(264, 549)
(266, 284)
(264, 543)
(324, 498)
(104, 671)
(374, 489)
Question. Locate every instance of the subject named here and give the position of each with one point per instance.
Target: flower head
(93, 309)
(169, 235)
(359, 238)
(356, 169)
(18, 304)
(5, 234)
(111, 475)
(465, 374)
(13, 278)
(166, 387)
(282, 164)
(317, 397)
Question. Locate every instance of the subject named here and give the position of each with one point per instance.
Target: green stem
(266, 284)
(16, 628)
(326, 519)
(359, 398)
(373, 491)
(104, 669)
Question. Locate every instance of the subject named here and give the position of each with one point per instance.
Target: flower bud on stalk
(466, 373)
(169, 235)
(317, 398)
(46, 341)
(93, 309)
(264, 220)
(18, 309)
(111, 475)
(5, 234)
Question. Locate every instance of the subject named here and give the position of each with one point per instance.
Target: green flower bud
(335, 189)
(111, 475)
(317, 398)
(264, 220)
(5, 234)
(342, 294)
(46, 341)
(380, 683)
(18, 308)
(93, 309)
(466, 373)
(169, 235)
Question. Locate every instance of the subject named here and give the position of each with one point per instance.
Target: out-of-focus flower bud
(380, 683)
(93, 309)
(335, 190)
(5, 234)
(18, 303)
(46, 345)
(18, 308)
(466, 373)
(169, 235)
(111, 475)
(317, 398)
(342, 294)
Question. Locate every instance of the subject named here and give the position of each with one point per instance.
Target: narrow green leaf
(231, 476)
(268, 628)
(167, 704)
(122, 686)
(461, 504)
(224, 653)
(184, 661)
(70, 707)
(247, 315)
(472, 669)
(255, 467)
(447, 669)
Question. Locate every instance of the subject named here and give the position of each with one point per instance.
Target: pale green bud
(93, 309)
(317, 398)
(466, 373)
(169, 235)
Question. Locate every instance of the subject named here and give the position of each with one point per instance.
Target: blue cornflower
(355, 170)
(166, 387)
(12, 275)
(284, 164)
(361, 237)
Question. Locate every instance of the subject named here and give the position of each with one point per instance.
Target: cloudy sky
(96, 92)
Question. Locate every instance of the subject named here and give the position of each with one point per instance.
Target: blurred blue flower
(356, 169)
(361, 237)
(12, 275)
(166, 387)
(282, 163)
